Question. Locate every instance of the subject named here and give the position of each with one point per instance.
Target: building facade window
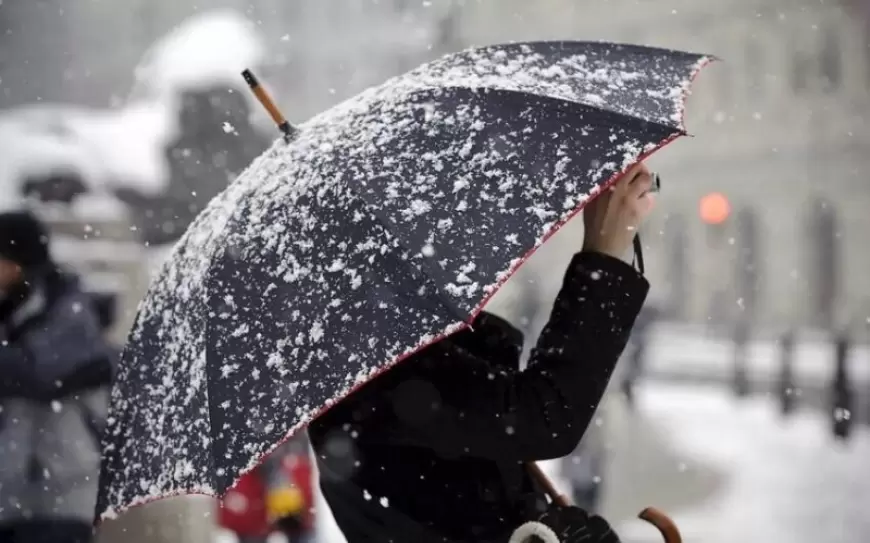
(831, 60)
(800, 71)
(748, 262)
(823, 252)
(754, 67)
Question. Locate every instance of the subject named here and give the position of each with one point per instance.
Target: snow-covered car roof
(30, 152)
(105, 148)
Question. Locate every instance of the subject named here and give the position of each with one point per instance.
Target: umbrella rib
(579, 47)
(448, 304)
(555, 101)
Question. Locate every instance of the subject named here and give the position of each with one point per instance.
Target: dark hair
(105, 304)
(24, 239)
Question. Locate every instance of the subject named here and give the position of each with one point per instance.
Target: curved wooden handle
(663, 523)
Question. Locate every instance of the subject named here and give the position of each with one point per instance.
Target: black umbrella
(384, 224)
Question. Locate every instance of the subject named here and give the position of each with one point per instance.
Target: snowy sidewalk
(778, 481)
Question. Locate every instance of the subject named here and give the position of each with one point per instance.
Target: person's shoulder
(358, 407)
(67, 297)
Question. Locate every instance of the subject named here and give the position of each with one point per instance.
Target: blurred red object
(243, 509)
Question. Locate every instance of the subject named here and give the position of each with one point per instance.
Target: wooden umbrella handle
(267, 102)
(654, 516)
(548, 486)
(665, 525)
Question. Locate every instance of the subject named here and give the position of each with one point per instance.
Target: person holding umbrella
(436, 449)
(339, 285)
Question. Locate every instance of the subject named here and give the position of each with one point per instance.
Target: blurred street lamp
(714, 208)
(740, 383)
(747, 271)
(676, 232)
(842, 397)
(787, 390)
(824, 262)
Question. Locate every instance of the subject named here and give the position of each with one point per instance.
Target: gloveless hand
(611, 220)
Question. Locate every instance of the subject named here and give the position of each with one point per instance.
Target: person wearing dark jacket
(637, 357)
(436, 448)
(55, 369)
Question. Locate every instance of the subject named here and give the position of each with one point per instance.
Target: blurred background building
(781, 124)
(762, 221)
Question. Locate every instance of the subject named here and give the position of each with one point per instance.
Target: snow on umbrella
(384, 224)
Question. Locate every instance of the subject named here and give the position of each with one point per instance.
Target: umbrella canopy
(385, 224)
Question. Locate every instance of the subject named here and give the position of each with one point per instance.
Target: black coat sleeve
(459, 405)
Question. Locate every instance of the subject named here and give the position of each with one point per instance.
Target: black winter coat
(69, 337)
(434, 449)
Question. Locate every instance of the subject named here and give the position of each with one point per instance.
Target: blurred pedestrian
(787, 387)
(740, 340)
(842, 396)
(216, 141)
(54, 372)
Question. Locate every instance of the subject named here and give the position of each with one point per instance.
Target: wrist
(587, 248)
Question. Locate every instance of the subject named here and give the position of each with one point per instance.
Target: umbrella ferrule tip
(250, 78)
(287, 129)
